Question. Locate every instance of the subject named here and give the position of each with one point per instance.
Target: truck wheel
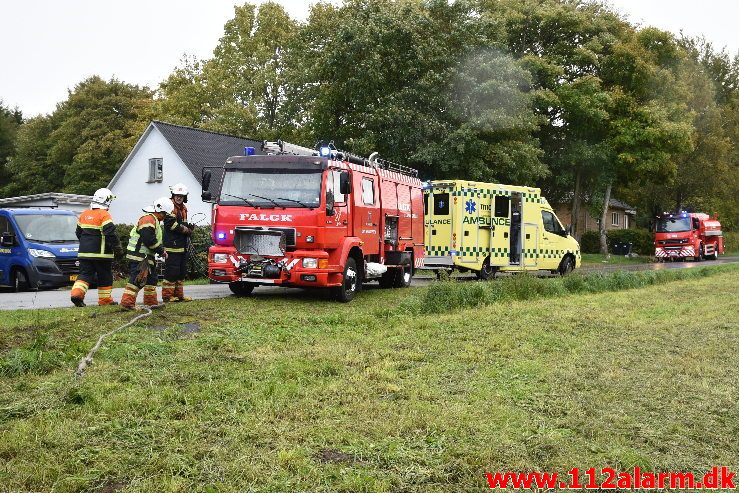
(18, 280)
(345, 293)
(240, 288)
(487, 271)
(566, 266)
(403, 277)
(700, 254)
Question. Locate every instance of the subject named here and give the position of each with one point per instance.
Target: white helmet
(179, 189)
(162, 204)
(102, 199)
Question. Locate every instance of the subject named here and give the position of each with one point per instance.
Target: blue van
(38, 248)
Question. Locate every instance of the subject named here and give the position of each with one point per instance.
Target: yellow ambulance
(489, 227)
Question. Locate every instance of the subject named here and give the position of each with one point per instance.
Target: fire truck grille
(289, 235)
(262, 242)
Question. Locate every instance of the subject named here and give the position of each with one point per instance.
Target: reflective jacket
(175, 240)
(145, 239)
(96, 232)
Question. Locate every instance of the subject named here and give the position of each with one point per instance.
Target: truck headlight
(310, 263)
(40, 253)
(220, 258)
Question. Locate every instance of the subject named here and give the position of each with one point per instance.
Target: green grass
(598, 259)
(297, 393)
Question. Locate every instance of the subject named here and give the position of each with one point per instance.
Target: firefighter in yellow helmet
(177, 233)
(145, 241)
(98, 241)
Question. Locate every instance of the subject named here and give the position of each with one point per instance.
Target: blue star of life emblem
(469, 206)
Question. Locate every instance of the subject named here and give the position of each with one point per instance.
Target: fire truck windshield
(673, 225)
(272, 188)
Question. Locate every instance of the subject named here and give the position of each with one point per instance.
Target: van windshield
(48, 228)
(673, 225)
(268, 188)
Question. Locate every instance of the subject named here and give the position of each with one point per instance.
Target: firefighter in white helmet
(177, 233)
(146, 240)
(98, 242)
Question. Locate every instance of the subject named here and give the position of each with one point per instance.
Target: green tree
(10, 121)
(79, 147)
(241, 89)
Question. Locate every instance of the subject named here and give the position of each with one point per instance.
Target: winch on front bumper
(259, 256)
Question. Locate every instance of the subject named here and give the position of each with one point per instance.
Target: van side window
(368, 191)
(502, 205)
(426, 204)
(5, 225)
(441, 204)
(550, 224)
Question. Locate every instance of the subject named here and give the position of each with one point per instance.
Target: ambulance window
(549, 222)
(426, 204)
(334, 186)
(441, 204)
(502, 205)
(368, 191)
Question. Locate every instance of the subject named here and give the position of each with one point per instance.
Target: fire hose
(87, 360)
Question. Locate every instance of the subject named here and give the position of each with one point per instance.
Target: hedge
(641, 239)
(197, 265)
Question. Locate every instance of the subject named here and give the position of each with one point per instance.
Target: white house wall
(133, 192)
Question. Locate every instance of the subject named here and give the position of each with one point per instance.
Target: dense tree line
(563, 94)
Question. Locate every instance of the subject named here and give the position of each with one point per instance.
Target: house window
(156, 169)
(368, 191)
(614, 218)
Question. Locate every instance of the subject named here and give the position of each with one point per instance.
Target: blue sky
(47, 46)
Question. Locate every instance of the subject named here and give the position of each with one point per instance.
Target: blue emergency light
(325, 151)
(248, 151)
(221, 235)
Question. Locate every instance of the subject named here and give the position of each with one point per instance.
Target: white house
(167, 154)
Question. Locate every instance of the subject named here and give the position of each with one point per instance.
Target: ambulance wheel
(345, 293)
(240, 288)
(566, 266)
(487, 271)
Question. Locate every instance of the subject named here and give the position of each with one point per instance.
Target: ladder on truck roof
(281, 147)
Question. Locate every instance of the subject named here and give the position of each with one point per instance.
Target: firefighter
(98, 241)
(176, 236)
(145, 241)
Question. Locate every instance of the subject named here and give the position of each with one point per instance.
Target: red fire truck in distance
(300, 217)
(687, 235)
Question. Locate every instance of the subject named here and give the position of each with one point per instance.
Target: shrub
(197, 265)
(590, 242)
(641, 239)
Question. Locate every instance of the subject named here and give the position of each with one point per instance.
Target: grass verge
(295, 393)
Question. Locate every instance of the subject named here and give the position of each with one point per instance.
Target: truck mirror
(329, 203)
(206, 196)
(7, 239)
(345, 183)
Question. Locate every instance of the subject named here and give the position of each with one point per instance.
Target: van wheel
(240, 288)
(345, 293)
(487, 271)
(566, 266)
(18, 280)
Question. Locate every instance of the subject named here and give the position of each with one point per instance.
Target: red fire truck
(687, 235)
(301, 217)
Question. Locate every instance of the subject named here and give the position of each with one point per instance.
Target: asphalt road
(60, 298)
